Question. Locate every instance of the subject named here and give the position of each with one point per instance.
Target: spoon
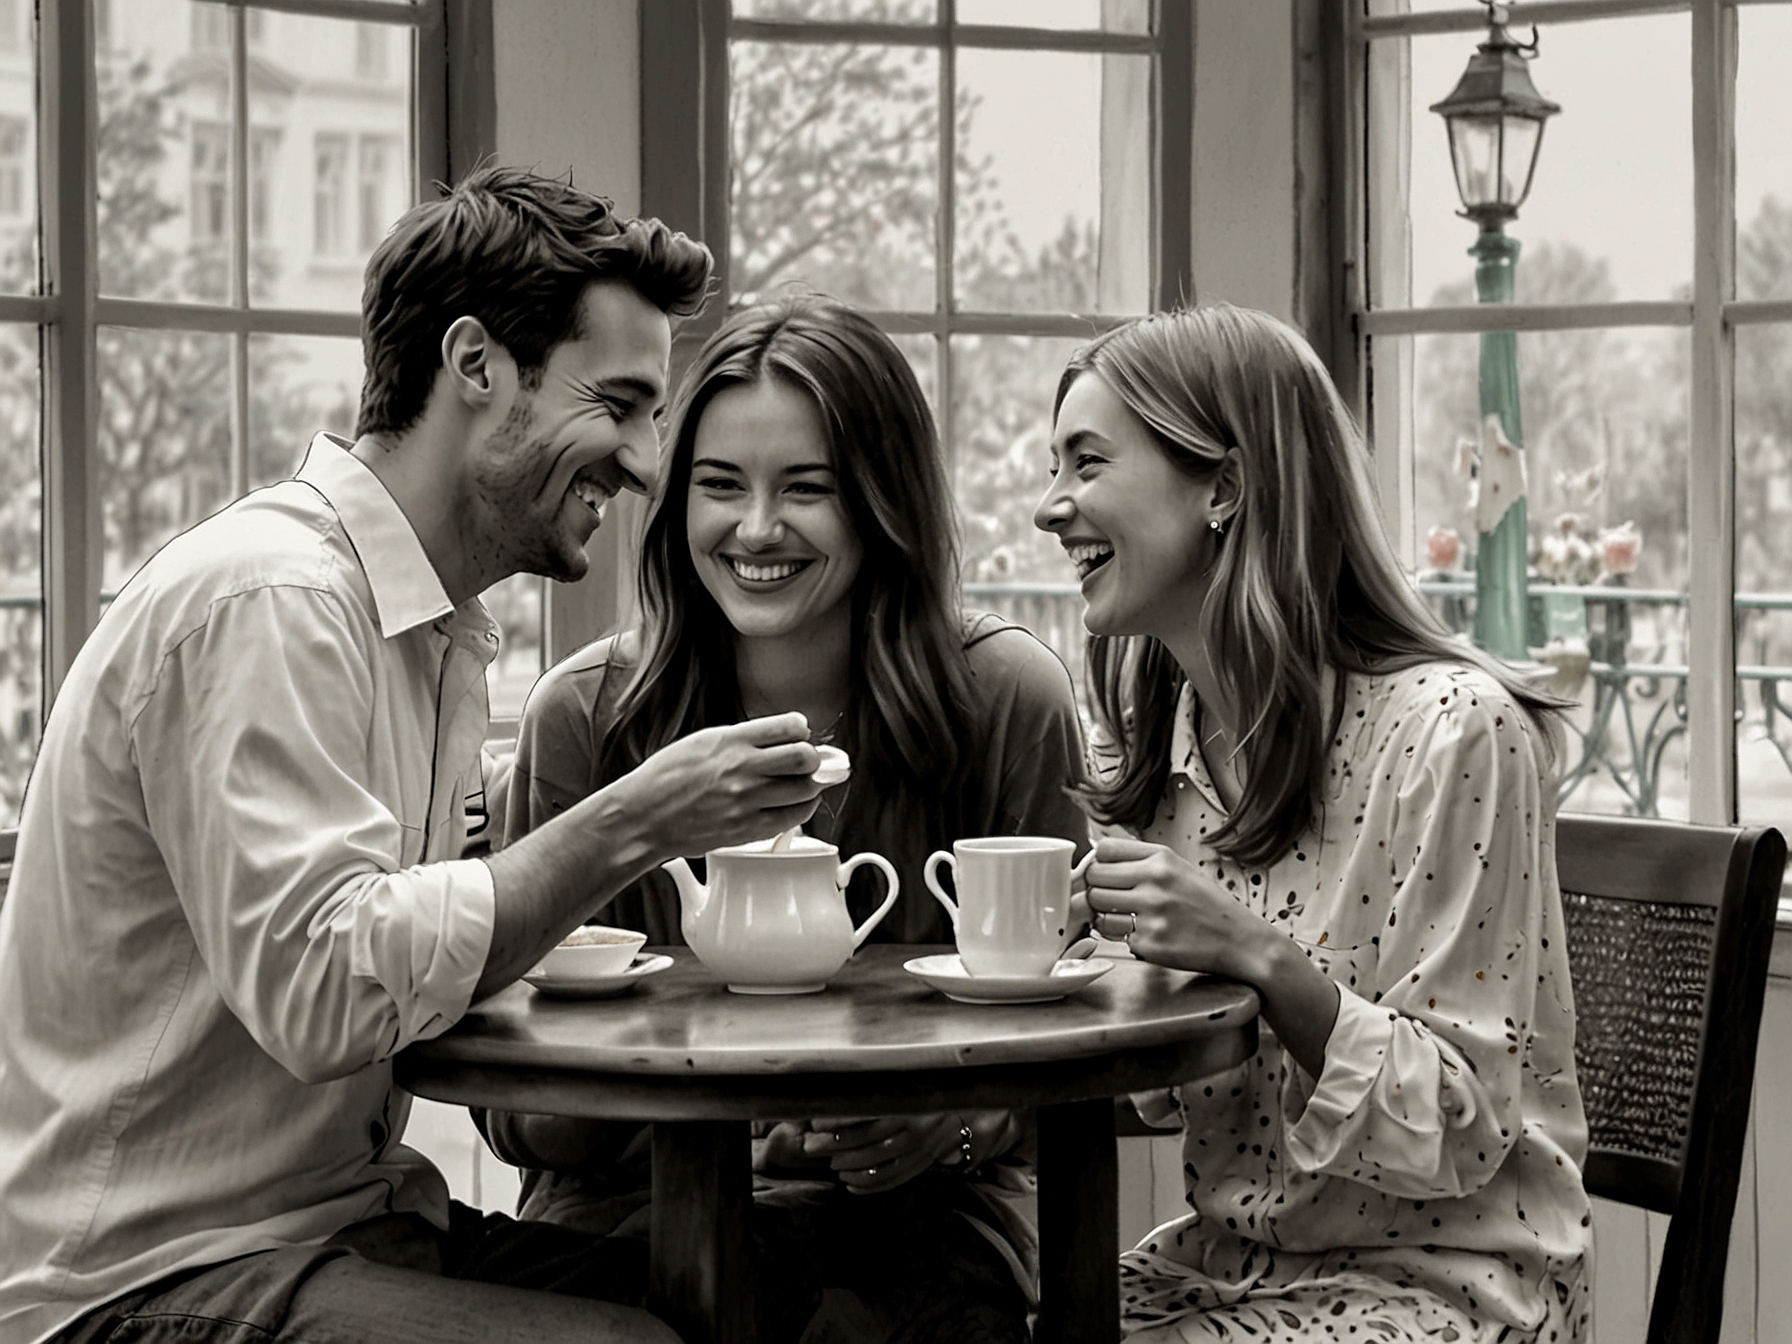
(835, 768)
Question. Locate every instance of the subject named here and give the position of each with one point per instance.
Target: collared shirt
(1441, 1144)
(235, 898)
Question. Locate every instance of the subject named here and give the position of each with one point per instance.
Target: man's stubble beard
(504, 501)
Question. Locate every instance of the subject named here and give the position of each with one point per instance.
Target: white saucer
(596, 986)
(947, 974)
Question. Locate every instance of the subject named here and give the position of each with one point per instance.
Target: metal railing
(1631, 693)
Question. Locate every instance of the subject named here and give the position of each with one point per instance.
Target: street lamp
(1495, 118)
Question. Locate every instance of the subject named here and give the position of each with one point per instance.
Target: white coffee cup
(1013, 911)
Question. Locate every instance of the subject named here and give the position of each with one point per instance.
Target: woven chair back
(1669, 929)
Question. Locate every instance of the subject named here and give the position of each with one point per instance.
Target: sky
(1614, 173)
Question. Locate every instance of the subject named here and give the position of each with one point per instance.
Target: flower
(1618, 547)
(1443, 548)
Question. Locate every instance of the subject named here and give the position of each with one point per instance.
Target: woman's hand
(780, 1152)
(1171, 913)
(881, 1154)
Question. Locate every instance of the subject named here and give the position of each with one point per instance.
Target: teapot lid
(799, 846)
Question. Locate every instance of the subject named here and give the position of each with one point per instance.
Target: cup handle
(1080, 873)
(927, 876)
(890, 880)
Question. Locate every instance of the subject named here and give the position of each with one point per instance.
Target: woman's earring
(1218, 531)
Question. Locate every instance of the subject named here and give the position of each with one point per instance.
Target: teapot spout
(693, 896)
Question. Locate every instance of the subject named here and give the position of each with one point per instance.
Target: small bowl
(594, 949)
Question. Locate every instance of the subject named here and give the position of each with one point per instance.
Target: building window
(991, 193)
(15, 134)
(190, 362)
(370, 50)
(330, 190)
(264, 173)
(1651, 323)
(209, 180)
(374, 183)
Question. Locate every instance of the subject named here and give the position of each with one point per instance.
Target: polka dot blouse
(1439, 1150)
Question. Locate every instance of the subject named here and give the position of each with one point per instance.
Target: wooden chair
(1669, 928)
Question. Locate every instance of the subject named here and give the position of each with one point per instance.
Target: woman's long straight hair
(1304, 580)
(909, 680)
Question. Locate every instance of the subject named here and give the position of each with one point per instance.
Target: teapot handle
(894, 883)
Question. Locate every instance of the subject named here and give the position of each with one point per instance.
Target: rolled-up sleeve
(1420, 1093)
(278, 774)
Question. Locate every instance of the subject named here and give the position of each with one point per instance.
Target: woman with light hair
(1309, 786)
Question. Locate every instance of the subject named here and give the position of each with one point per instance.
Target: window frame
(685, 148)
(452, 126)
(1711, 318)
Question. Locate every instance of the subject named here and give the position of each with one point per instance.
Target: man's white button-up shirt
(236, 897)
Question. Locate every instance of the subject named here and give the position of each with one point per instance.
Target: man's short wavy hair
(516, 251)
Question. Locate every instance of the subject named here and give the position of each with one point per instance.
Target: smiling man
(238, 891)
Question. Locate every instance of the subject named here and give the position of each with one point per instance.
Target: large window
(993, 180)
(166, 338)
(1652, 320)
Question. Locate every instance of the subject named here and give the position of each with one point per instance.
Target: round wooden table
(681, 1051)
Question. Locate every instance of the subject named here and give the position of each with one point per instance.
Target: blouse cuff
(1353, 1061)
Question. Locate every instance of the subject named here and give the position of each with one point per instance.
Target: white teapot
(774, 921)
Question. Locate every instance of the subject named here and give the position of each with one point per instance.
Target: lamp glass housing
(1494, 158)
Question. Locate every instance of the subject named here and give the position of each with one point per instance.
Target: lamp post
(1495, 118)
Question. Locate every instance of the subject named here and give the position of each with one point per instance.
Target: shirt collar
(406, 590)
(1184, 759)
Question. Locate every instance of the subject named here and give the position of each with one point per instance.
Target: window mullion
(71, 486)
(1711, 478)
(1172, 192)
(239, 250)
(945, 279)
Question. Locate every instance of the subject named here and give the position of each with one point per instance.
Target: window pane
(298, 385)
(164, 435)
(923, 358)
(833, 171)
(1054, 182)
(516, 605)
(869, 11)
(330, 166)
(1614, 168)
(1763, 154)
(1002, 390)
(21, 575)
(1764, 574)
(165, 216)
(1604, 418)
(18, 149)
(1113, 16)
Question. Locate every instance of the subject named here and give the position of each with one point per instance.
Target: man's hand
(726, 786)
(719, 786)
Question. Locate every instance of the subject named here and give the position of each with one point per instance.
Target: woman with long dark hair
(800, 553)
(1313, 788)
